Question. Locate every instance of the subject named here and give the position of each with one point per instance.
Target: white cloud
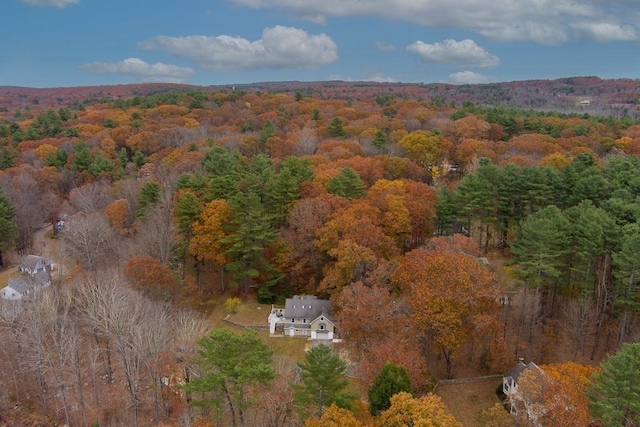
(385, 47)
(540, 21)
(606, 32)
(50, 3)
(141, 70)
(279, 47)
(465, 52)
(539, 32)
(468, 77)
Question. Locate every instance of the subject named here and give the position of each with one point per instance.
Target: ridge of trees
(386, 205)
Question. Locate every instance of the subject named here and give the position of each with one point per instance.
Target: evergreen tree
(186, 210)
(7, 156)
(100, 164)
(391, 380)
(446, 211)
(123, 157)
(627, 274)
(323, 382)
(230, 364)
(541, 245)
(380, 141)
(615, 390)
(347, 184)
(57, 159)
(335, 129)
(8, 231)
(268, 130)
(139, 159)
(82, 158)
(149, 195)
(219, 161)
(252, 233)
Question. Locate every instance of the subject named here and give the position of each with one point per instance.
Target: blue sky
(54, 43)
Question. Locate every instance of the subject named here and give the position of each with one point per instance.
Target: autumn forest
(453, 235)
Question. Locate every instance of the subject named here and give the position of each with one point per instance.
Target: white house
(21, 287)
(304, 315)
(33, 264)
(36, 275)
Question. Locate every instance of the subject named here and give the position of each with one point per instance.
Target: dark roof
(34, 261)
(515, 372)
(23, 284)
(306, 307)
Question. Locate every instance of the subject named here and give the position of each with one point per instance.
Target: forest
(452, 238)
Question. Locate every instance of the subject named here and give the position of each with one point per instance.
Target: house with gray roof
(33, 264)
(35, 275)
(510, 378)
(21, 287)
(303, 315)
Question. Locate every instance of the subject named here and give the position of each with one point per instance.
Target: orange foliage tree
(120, 216)
(451, 297)
(554, 395)
(209, 231)
(151, 275)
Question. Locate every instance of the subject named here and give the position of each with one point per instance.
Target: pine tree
(8, 232)
(323, 382)
(230, 364)
(335, 129)
(149, 195)
(615, 390)
(347, 184)
(380, 141)
(391, 380)
(252, 233)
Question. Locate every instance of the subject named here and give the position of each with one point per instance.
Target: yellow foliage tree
(426, 411)
(334, 416)
(44, 151)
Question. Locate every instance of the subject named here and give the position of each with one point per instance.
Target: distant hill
(592, 95)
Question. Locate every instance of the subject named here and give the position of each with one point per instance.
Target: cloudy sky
(49, 43)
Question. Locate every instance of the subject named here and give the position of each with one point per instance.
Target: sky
(64, 43)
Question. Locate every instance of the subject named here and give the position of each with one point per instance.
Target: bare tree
(11, 313)
(578, 323)
(91, 197)
(33, 206)
(307, 141)
(115, 311)
(89, 240)
(156, 234)
(151, 339)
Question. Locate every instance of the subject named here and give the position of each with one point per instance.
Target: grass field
(465, 401)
